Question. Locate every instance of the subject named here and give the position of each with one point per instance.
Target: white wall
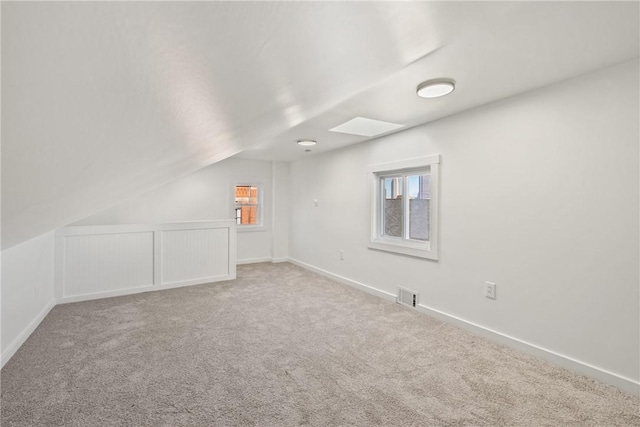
(27, 290)
(203, 195)
(539, 194)
(281, 211)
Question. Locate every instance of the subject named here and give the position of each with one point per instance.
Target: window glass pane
(247, 204)
(392, 217)
(419, 200)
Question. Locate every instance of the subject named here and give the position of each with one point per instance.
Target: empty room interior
(320, 213)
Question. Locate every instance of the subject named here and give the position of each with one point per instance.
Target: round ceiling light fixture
(307, 142)
(435, 88)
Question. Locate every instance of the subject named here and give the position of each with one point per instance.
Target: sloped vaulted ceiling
(105, 100)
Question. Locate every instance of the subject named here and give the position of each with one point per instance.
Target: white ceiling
(492, 50)
(105, 100)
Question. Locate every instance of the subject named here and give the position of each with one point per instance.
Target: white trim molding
(401, 170)
(260, 260)
(627, 384)
(345, 281)
(253, 260)
(110, 260)
(260, 226)
(8, 353)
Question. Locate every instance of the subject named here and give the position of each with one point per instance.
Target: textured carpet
(282, 346)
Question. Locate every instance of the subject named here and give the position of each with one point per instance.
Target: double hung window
(404, 211)
(248, 209)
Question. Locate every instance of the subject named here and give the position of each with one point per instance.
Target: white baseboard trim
(259, 260)
(149, 288)
(253, 260)
(24, 335)
(627, 384)
(360, 286)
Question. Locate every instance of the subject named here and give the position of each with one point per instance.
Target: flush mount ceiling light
(435, 88)
(307, 142)
(363, 126)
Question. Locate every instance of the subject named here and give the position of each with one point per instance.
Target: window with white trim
(248, 204)
(404, 215)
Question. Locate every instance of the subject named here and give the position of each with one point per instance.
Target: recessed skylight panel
(362, 126)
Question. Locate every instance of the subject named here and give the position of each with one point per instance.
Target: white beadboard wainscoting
(110, 260)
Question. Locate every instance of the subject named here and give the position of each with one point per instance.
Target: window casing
(404, 215)
(248, 205)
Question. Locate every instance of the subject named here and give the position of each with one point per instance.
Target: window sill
(250, 228)
(402, 248)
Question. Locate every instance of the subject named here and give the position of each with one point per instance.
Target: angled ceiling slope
(493, 50)
(102, 101)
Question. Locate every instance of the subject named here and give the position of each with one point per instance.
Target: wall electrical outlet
(490, 290)
(341, 255)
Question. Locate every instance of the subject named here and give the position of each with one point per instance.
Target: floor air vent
(407, 297)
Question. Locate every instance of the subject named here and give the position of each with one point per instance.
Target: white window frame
(402, 245)
(249, 227)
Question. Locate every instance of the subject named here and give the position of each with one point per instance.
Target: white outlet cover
(490, 290)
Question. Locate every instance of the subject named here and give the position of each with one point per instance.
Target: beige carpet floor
(282, 346)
